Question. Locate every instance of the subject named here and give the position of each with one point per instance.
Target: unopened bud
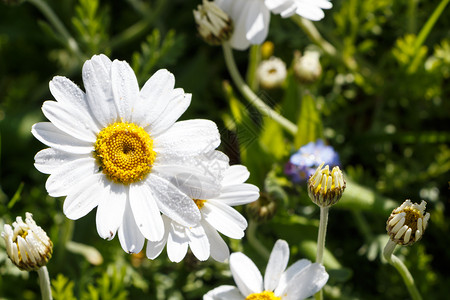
(267, 50)
(27, 244)
(407, 223)
(271, 73)
(325, 188)
(262, 209)
(307, 68)
(213, 24)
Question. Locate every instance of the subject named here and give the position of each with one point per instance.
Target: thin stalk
(44, 282)
(138, 28)
(412, 16)
(425, 31)
(402, 269)
(314, 35)
(321, 241)
(311, 31)
(254, 60)
(248, 93)
(253, 240)
(46, 10)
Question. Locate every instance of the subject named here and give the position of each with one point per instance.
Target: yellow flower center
(124, 152)
(412, 215)
(266, 295)
(200, 203)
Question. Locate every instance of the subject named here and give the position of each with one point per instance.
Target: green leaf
(309, 123)
(157, 51)
(62, 288)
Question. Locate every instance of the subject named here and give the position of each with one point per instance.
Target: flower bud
(271, 73)
(262, 209)
(407, 223)
(213, 24)
(267, 50)
(325, 188)
(27, 245)
(307, 68)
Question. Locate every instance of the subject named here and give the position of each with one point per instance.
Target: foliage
(382, 102)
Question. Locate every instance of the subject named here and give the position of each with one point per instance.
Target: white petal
(110, 210)
(84, 196)
(159, 102)
(257, 24)
(235, 174)
(172, 202)
(69, 94)
(224, 292)
(49, 160)
(309, 11)
(198, 241)
(67, 175)
(146, 212)
(212, 165)
(125, 89)
(154, 249)
(188, 138)
(218, 248)
(70, 121)
(225, 219)
(97, 82)
(50, 135)
(306, 283)
(195, 183)
(291, 272)
(277, 6)
(277, 264)
(238, 11)
(131, 239)
(158, 119)
(238, 194)
(245, 274)
(177, 243)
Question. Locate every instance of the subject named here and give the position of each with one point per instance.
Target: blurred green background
(382, 102)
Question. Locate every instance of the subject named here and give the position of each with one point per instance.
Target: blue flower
(304, 162)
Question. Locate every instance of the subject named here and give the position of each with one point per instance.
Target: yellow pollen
(200, 203)
(266, 295)
(412, 215)
(124, 152)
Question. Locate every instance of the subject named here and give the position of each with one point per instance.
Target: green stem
(138, 28)
(46, 10)
(321, 241)
(412, 16)
(255, 59)
(314, 35)
(402, 269)
(44, 282)
(426, 29)
(253, 240)
(250, 95)
(322, 233)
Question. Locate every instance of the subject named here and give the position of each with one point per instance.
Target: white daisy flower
(116, 147)
(217, 216)
(301, 280)
(252, 17)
